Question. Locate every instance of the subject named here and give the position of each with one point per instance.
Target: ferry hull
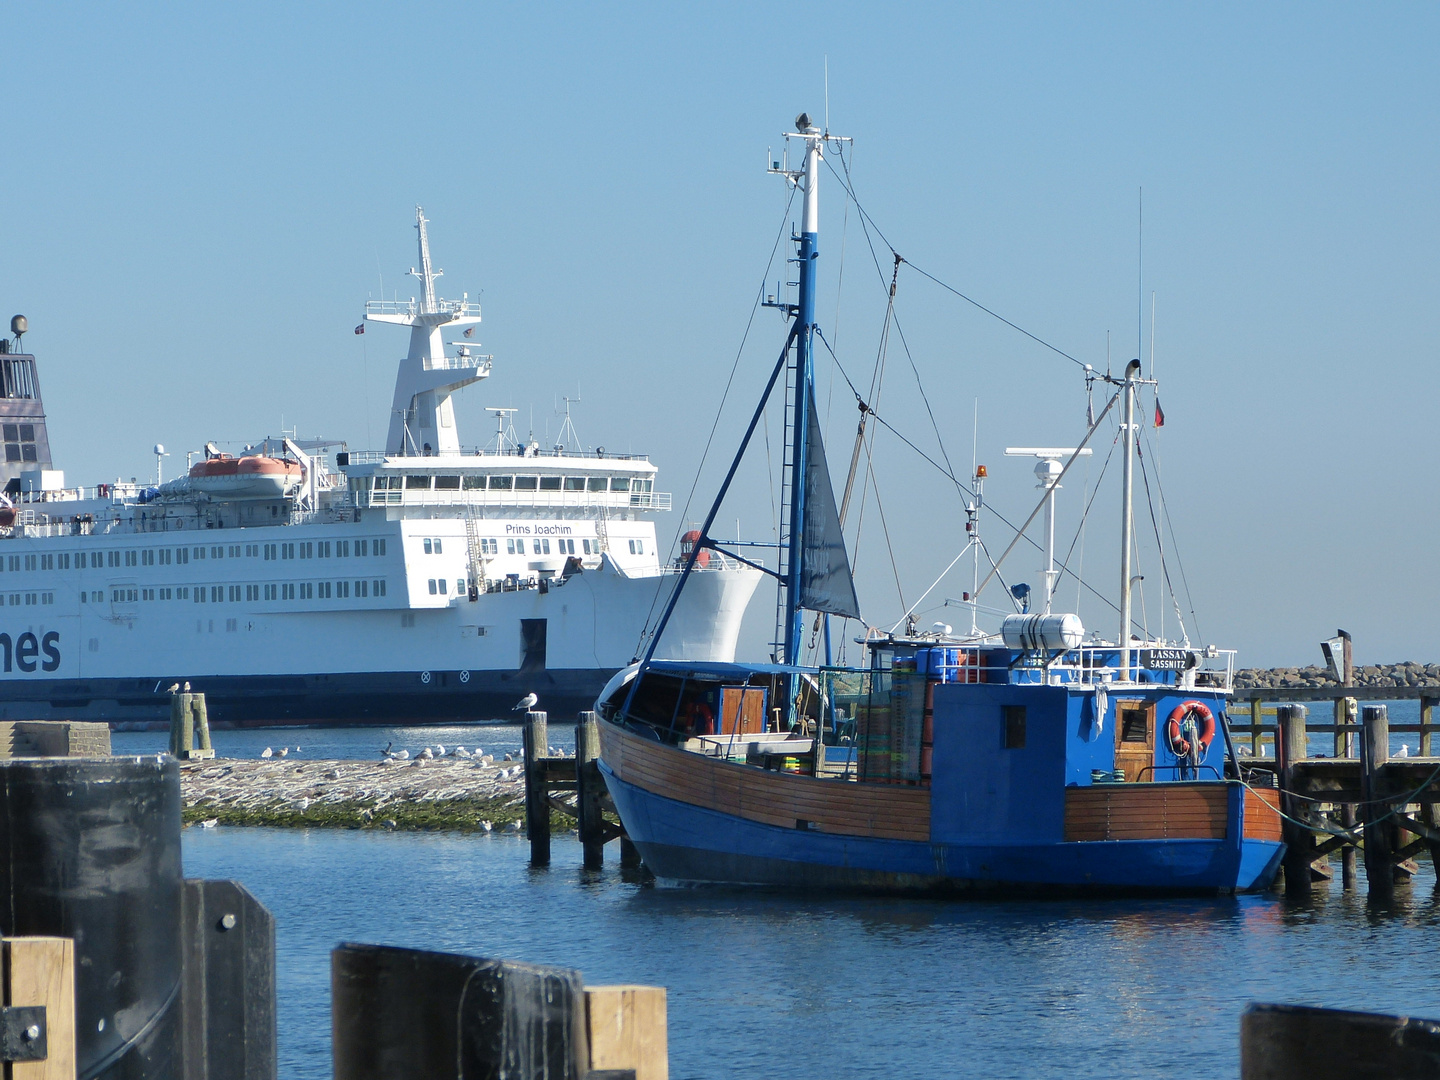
(686, 844)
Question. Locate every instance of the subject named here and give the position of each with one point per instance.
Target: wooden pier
(576, 788)
(1358, 802)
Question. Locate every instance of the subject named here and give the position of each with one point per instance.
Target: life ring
(1178, 743)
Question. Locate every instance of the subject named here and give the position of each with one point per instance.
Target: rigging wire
(1175, 546)
(865, 217)
(1155, 526)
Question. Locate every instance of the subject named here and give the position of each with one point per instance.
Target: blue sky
(199, 199)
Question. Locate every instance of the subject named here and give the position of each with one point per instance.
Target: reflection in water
(767, 985)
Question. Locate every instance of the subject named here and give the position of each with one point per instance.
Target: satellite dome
(19, 324)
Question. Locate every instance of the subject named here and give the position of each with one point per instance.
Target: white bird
(186, 687)
(267, 752)
(174, 689)
(284, 750)
(460, 751)
(487, 825)
(439, 749)
(1404, 750)
(427, 754)
(209, 823)
(386, 753)
(403, 755)
(526, 702)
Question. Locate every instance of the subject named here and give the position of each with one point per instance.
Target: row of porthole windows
(28, 599)
(217, 594)
(515, 545)
(79, 560)
(426, 482)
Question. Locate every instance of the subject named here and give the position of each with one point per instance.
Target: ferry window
(549, 483)
(198, 553)
(218, 551)
(182, 555)
(288, 591)
(217, 594)
(342, 548)
(362, 547)
(131, 558)
(416, 481)
(287, 551)
(234, 551)
(437, 545)
(112, 558)
(427, 546)
(231, 625)
(619, 483)
(147, 594)
(362, 588)
(15, 598)
(501, 483)
(526, 483)
(379, 547)
(643, 485)
(433, 588)
(167, 594)
(596, 483)
(378, 586)
(183, 593)
(64, 561)
(47, 562)
(342, 588)
(1014, 727)
(49, 597)
(382, 483)
(447, 483)
(535, 545)
(567, 547)
(586, 545)
(574, 483)
(442, 586)
(252, 550)
(147, 557)
(489, 545)
(83, 596)
(510, 545)
(324, 546)
(252, 592)
(306, 549)
(307, 591)
(15, 561)
(474, 483)
(325, 590)
(199, 594)
(459, 586)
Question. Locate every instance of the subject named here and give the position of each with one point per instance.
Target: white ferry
(299, 582)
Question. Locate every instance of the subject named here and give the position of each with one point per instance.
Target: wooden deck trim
(1261, 820)
(879, 811)
(1147, 812)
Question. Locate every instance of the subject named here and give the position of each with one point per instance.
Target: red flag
(360, 329)
(1159, 414)
(469, 331)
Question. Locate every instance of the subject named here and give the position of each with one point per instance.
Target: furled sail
(825, 581)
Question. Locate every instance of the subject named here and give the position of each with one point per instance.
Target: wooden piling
(629, 855)
(40, 971)
(201, 724)
(1290, 749)
(589, 789)
(537, 795)
(1379, 835)
(1257, 717)
(626, 1029)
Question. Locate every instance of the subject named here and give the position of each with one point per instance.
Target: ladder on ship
(602, 532)
(477, 581)
(777, 645)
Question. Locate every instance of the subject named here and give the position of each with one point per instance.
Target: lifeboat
(250, 476)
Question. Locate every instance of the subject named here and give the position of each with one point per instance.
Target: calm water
(763, 986)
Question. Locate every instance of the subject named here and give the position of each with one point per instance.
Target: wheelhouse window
(549, 483)
(526, 483)
(501, 483)
(596, 483)
(417, 482)
(574, 483)
(620, 483)
(474, 483)
(447, 483)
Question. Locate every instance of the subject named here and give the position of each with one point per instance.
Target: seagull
(386, 752)
(460, 751)
(526, 702)
(439, 750)
(284, 750)
(403, 755)
(267, 752)
(427, 754)
(174, 689)
(1404, 750)
(186, 687)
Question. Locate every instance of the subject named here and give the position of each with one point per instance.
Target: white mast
(422, 420)
(1127, 514)
(1047, 471)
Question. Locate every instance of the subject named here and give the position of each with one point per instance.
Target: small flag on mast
(1159, 414)
(360, 329)
(469, 331)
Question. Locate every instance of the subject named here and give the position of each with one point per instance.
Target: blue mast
(804, 334)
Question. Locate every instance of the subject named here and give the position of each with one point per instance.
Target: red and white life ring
(1178, 743)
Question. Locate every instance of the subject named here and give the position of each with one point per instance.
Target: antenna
(1140, 279)
(827, 93)
(504, 440)
(567, 429)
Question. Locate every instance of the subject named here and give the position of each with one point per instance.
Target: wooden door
(1135, 739)
(742, 710)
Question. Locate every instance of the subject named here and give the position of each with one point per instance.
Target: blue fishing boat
(1032, 759)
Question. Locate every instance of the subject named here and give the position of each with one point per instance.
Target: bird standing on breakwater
(526, 702)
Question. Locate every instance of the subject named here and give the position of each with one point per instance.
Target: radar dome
(19, 324)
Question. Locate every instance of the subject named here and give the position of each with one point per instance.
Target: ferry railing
(379, 457)
(415, 307)
(615, 500)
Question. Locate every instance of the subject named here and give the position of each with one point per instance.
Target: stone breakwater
(445, 793)
(1406, 674)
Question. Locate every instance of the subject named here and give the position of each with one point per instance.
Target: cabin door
(742, 710)
(1135, 739)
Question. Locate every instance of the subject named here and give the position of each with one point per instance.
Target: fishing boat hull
(697, 820)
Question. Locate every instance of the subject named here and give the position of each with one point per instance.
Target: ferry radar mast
(422, 420)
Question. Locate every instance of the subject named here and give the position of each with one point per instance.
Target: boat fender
(1174, 730)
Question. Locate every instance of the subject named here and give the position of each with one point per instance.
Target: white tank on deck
(1042, 632)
